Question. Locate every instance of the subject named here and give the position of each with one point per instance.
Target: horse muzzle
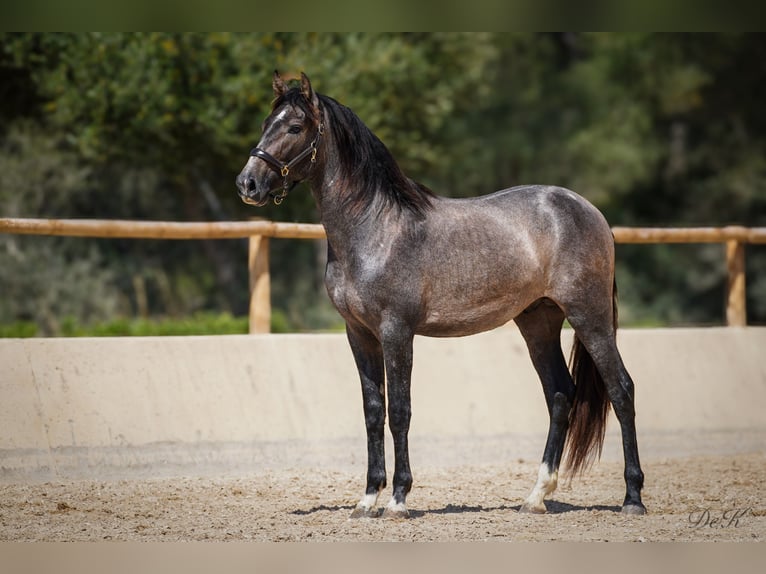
(248, 191)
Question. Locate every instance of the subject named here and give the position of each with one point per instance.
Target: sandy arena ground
(87, 457)
(706, 497)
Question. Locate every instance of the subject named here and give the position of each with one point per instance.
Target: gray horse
(403, 261)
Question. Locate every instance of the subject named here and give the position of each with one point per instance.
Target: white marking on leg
(396, 509)
(368, 502)
(396, 506)
(365, 508)
(546, 483)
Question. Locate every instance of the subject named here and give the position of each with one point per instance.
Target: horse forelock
(294, 97)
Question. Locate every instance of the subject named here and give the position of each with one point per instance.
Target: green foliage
(203, 323)
(19, 329)
(665, 129)
(200, 323)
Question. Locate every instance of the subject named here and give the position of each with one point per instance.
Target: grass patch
(204, 323)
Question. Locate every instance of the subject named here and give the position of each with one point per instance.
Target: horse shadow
(321, 508)
(554, 507)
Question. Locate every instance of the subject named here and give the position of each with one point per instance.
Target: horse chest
(344, 292)
(363, 294)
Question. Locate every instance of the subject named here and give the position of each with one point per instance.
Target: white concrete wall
(77, 395)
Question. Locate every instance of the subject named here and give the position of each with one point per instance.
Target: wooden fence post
(260, 284)
(736, 313)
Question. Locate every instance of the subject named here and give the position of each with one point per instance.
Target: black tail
(587, 419)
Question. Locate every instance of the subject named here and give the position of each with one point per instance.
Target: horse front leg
(368, 355)
(397, 352)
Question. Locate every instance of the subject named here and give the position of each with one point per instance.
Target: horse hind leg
(540, 325)
(597, 336)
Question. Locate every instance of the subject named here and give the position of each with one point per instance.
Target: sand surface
(700, 497)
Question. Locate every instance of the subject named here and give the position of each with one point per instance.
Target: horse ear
(307, 91)
(279, 85)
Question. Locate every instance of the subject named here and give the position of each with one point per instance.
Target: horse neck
(356, 241)
(357, 206)
(348, 233)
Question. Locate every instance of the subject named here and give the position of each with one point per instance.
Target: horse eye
(294, 129)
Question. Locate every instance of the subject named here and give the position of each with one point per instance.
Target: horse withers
(403, 261)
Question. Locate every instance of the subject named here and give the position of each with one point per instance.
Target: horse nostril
(250, 184)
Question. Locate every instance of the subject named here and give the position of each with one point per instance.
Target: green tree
(661, 129)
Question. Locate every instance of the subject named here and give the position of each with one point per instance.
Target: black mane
(366, 163)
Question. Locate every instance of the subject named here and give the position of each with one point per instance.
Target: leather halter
(285, 167)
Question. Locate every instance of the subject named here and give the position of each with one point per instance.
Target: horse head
(288, 147)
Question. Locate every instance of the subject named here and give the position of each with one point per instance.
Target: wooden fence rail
(259, 233)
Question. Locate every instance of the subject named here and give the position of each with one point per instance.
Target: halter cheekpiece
(284, 167)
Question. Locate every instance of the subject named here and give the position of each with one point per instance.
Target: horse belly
(468, 319)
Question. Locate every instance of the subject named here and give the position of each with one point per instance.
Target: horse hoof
(362, 512)
(396, 510)
(533, 509)
(396, 513)
(634, 509)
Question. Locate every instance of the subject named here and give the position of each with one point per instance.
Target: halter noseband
(285, 167)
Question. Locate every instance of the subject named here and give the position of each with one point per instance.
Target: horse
(404, 261)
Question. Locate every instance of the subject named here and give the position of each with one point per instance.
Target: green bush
(202, 323)
(197, 324)
(19, 329)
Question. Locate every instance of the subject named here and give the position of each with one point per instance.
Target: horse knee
(375, 419)
(399, 419)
